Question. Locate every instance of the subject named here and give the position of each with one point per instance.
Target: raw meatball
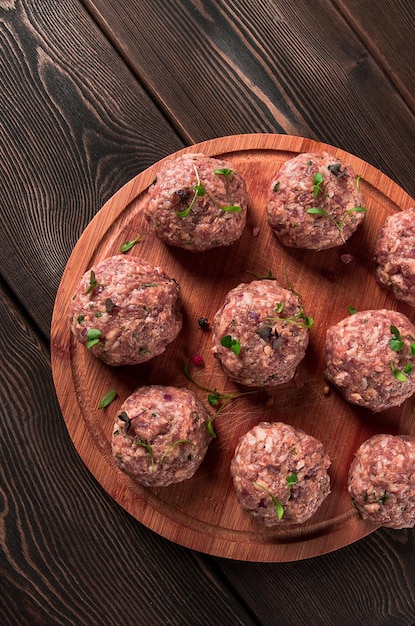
(280, 474)
(197, 203)
(315, 202)
(381, 480)
(160, 437)
(395, 255)
(125, 310)
(369, 358)
(260, 334)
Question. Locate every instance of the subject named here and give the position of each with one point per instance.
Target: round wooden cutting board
(202, 513)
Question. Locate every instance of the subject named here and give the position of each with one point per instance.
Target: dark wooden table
(92, 93)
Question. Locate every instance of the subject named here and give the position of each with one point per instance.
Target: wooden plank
(370, 582)
(387, 29)
(229, 67)
(75, 126)
(68, 553)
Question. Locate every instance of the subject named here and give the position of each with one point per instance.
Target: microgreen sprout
(144, 444)
(175, 443)
(396, 344)
(224, 171)
(269, 276)
(219, 399)
(339, 225)
(290, 287)
(93, 336)
(278, 506)
(358, 179)
(317, 182)
(291, 479)
(351, 310)
(397, 373)
(200, 190)
(130, 244)
(233, 344)
(93, 283)
(299, 318)
(107, 399)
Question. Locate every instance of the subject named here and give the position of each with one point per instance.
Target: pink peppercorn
(197, 359)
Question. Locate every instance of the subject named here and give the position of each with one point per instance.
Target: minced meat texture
(369, 358)
(280, 474)
(197, 203)
(315, 202)
(270, 329)
(381, 480)
(395, 255)
(125, 310)
(160, 435)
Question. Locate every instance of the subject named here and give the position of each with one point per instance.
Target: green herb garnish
(144, 444)
(398, 374)
(396, 344)
(268, 276)
(215, 398)
(175, 443)
(317, 182)
(225, 171)
(93, 283)
(278, 506)
(339, 225)
(299, 318)
(200, 190)
(292, 479)
(130, 244)
(233, 344)
(351, 310)
(93, 336)
(107, 399)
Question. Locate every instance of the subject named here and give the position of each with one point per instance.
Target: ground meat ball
(125, 310)
(369, 362)
(313, 181)
(160, 436)
(267, 324)
(381, 480)
(395, 255)
(197, 203)
(280, 474)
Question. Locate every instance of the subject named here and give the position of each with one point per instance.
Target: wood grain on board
(312, 69)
